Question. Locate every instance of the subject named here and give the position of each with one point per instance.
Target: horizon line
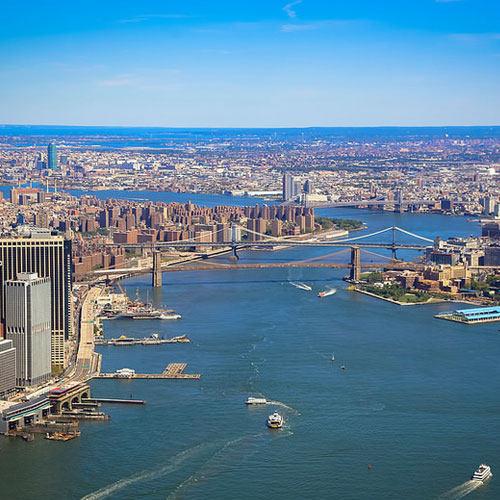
(248, 127)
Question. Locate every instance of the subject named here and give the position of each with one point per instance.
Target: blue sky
(250, 64)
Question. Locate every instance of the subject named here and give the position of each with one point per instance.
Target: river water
(412, 415)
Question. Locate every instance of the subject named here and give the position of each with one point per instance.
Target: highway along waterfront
(417, 400)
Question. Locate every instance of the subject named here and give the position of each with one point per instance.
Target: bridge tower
(393, 248)
(235, 238)
(355, 263)
(156, 268)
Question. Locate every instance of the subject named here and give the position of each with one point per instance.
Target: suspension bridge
(355, 245)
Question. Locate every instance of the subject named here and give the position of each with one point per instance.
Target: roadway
(361, 203)
(221, 267)
(269, 243)
(87, 359)
(331, 265)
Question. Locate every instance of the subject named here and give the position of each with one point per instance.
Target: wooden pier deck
(172, 371)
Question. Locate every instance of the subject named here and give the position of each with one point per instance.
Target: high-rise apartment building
(52, 156)
(489, 205)
(288, 184)
(28, 325)
(7, 368)
(49, 257)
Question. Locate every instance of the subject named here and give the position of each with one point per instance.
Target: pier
(117, 401)
(472, 316)
(172, 371)
(153, 340)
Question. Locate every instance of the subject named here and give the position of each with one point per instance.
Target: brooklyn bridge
(354, 247)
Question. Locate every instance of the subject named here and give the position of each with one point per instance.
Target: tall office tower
(50, 257)
(489, 205)
(7, 368)
(52, 156)
(288, 181)
(308, 187)
(28, 325)
(297, 187)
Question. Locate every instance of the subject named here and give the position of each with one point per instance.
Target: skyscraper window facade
(52, 156)
(50, 257)
(28, 325)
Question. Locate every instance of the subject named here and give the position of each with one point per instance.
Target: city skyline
(279, 64)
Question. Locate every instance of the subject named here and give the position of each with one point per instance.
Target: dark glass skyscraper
(52, 156)
(49, 257)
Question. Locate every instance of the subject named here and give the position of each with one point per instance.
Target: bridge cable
(414, 235)
(364, 236)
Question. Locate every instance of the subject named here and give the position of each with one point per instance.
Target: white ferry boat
(256, 401)
(275, 421)
(482, 473)
(170, 316)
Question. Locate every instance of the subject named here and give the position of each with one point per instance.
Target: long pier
(182, 339)
(172, 371)
(117, 401)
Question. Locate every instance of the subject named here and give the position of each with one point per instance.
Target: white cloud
(288, 9)
(317, 25)
(147, 17)
(290, 28)
(475, 37)
(152, 82)
(119, 81)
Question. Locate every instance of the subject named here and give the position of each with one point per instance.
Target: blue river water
(412, 415)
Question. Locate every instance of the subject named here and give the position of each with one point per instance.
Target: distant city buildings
(28, 326)
(292, 187)
(489, 205)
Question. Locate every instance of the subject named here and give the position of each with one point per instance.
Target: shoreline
(392, 301)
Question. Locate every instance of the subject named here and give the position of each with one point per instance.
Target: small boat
(61, 436)
(275, 421)
(333, 357)
(302, 286)
(170, 316)
(326, 293)
(482, 473)
(342, 367)
(256, 401)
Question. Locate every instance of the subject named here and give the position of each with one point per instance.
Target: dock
(172, 371)
(118, 401)
(472, 316)
(69, 416)
(153, 340)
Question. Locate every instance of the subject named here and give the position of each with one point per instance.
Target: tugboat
(275, 421)
(482, 473)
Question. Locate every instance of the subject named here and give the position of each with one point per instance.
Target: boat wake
(301, 286)
(460, 491)
(283, 405)
(223, 456)
(327, 292)
(171, 466)
(221, 461)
